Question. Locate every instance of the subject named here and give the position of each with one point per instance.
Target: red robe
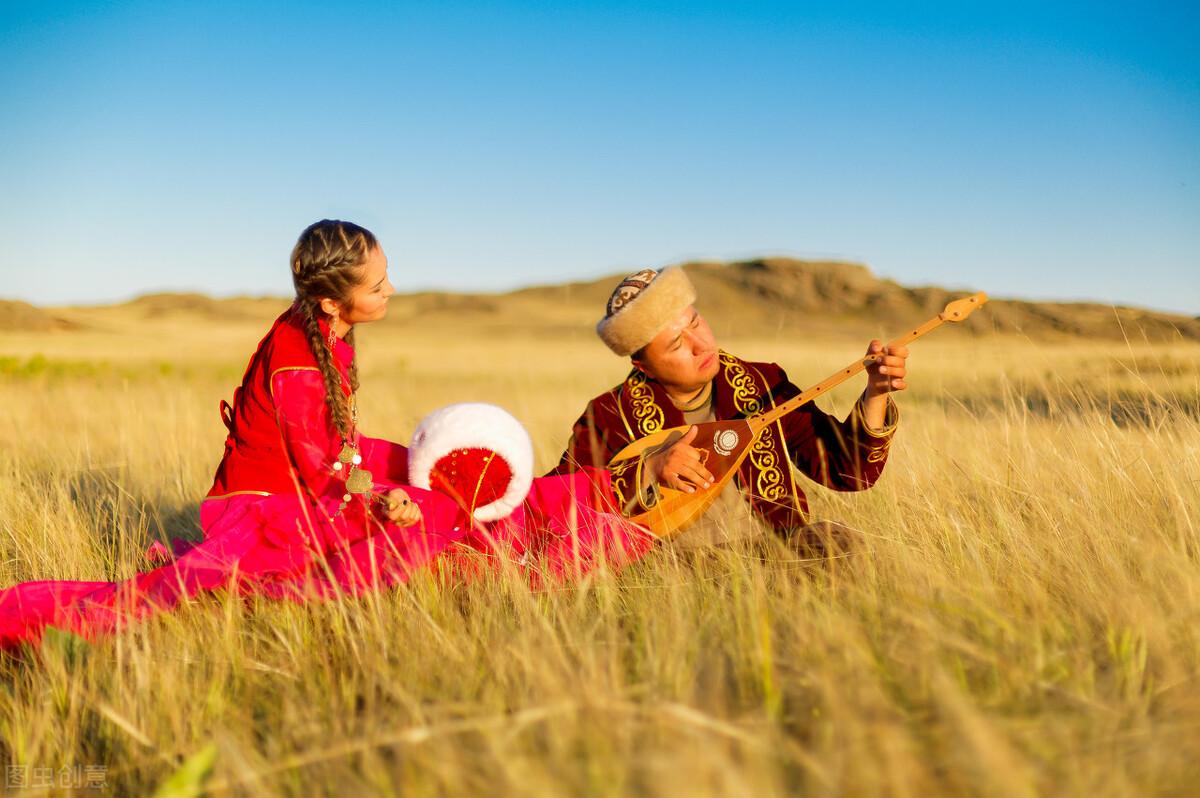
(840, 455)
(256, 456)
(282, 441)
(272, 524)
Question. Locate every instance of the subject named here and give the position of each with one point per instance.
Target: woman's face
(368, 301)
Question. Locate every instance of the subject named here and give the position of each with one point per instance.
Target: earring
(333, 320)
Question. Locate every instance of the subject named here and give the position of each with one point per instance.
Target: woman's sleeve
(387, 461)
(313, 444)
(308, 434)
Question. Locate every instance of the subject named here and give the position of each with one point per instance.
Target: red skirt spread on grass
(272, 525)
(273, 546)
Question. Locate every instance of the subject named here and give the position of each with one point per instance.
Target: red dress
(272, 524)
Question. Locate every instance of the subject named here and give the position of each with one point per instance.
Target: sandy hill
(21, 316)
(772, 295)
(753, 297)
(160, 305)
(801, 294)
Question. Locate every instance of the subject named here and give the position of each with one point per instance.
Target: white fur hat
(453, 447)
(641, 306)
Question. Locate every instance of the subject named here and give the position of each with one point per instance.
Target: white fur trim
(474, 425)
(637, 322)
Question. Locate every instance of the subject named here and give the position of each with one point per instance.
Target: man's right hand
(680, 465)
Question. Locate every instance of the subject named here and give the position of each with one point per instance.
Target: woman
(304, 505)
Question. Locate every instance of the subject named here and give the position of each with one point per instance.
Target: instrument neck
(763, 420)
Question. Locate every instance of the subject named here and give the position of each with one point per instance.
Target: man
(680, 377)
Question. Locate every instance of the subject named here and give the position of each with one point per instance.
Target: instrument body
(724, 445)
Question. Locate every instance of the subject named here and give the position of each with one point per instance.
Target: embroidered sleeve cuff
(891, 418)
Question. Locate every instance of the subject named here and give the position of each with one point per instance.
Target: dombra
(724, 445)
(477, 454)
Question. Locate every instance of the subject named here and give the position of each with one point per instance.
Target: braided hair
(327, 264)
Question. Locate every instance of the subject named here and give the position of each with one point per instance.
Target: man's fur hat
(641, 306)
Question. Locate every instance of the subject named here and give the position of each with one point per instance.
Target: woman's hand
(402, 510)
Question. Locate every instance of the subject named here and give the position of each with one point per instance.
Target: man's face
(683, 356)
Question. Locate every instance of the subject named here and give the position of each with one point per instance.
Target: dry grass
(1023, 617)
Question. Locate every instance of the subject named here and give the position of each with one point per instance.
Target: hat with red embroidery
(641, 306)
(477, 454)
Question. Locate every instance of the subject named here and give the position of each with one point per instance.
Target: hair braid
(335, 397)
(353, 363)
(327, 264)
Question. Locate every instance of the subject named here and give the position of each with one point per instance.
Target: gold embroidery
(745, 394)
(235, 493)
(271, 378)
(878, 441)
(621, 412)
(764, 453)
(647, 414)
(769, 484)
(622, 475)
(788, 468)
(891, 419)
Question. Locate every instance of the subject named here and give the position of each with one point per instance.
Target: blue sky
(1027, 149)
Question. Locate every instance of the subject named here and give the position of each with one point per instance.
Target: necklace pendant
(359, 481)
(347, 454)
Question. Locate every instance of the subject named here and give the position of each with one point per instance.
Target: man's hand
(679, 465)
(883, 376)
(886, 374)
(402, 510)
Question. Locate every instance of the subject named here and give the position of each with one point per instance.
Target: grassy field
(1022, 618)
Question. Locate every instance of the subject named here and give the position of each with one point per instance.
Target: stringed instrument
(724, 445)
